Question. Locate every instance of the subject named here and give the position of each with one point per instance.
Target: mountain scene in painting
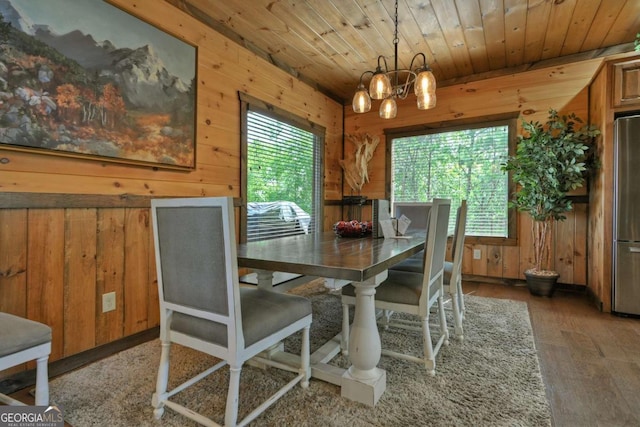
(74, 93)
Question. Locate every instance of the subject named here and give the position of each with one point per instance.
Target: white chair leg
(443, 320)
(387, 318)
(162, 381)
(231, 413)
(304, 358)
(457, 317)
(344, 338)
(429, 359)
(461, 298)
(42, 382)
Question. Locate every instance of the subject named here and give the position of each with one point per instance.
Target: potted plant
(550, 161)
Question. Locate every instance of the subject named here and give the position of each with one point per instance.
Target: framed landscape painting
(84, 78)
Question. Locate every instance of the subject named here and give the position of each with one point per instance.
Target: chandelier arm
(402, 94)
(386, 67)
(424, 61)
(362, 76)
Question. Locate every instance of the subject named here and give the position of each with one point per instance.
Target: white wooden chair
(23, 340)
(203, 307)
(452, 270)
(415, 293)
(417, 212)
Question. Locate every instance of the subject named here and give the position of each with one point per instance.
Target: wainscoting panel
(56, 263)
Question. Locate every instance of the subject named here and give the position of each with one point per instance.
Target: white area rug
(491, 379)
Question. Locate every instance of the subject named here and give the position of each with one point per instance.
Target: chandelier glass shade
(390, 84)
(361, 100)
(380, 85)
(388, 108)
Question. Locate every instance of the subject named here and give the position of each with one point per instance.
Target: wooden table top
(327, 255)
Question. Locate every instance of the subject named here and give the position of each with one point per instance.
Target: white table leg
(265, 279)
(364, 382)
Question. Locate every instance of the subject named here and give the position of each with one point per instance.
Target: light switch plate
(477, 254)
(108, 302)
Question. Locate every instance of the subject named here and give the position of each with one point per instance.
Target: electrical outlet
(477, 254)
(108, 302)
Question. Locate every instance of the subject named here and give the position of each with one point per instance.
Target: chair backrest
(457, 247)
(196, 261)
(435, 249)
(417, 212)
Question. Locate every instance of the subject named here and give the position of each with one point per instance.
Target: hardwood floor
(590, 361)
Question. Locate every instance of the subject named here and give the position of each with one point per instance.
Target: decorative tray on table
(352, 228)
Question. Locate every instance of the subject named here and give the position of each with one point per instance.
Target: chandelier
(390, 85)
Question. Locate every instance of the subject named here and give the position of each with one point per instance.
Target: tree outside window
(459, 163)
(282, 173)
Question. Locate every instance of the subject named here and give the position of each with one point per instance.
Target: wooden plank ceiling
(330, 43)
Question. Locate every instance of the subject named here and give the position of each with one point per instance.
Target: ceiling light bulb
(380, 86)
(425, 83)
(426, 101)
(361, 100)
(388, 108)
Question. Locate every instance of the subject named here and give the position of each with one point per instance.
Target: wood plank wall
(224, 68)
(89, 232)
(601, 192)
(55, 264)
(530, 94)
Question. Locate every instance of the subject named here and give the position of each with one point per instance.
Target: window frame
(510, 120)
(250, 103)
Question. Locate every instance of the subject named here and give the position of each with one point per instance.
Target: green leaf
(550, 160)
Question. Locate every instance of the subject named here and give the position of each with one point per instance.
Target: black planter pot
(541, 285)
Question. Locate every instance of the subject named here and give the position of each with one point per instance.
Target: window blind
(460, 164)
(283, 178)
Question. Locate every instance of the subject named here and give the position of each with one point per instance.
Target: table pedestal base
(366, 391)
(363, 382)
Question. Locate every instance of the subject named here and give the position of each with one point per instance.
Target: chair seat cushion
(266, 312)
(414, 264)
(18, 333)
(263, 313)
(401, 287)
(448, 270)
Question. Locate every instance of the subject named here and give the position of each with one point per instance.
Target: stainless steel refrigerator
(626, 231)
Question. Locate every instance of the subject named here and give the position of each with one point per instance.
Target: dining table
(360, 261)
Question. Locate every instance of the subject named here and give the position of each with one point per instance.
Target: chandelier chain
(395, 33)
(396, 40)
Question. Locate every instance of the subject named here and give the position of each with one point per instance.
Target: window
(281, 173)
(457, 163)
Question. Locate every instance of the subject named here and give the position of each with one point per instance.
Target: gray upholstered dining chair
(452, 270)
(23, 340)
(415, 293)
(202, 305)
(417, 212)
